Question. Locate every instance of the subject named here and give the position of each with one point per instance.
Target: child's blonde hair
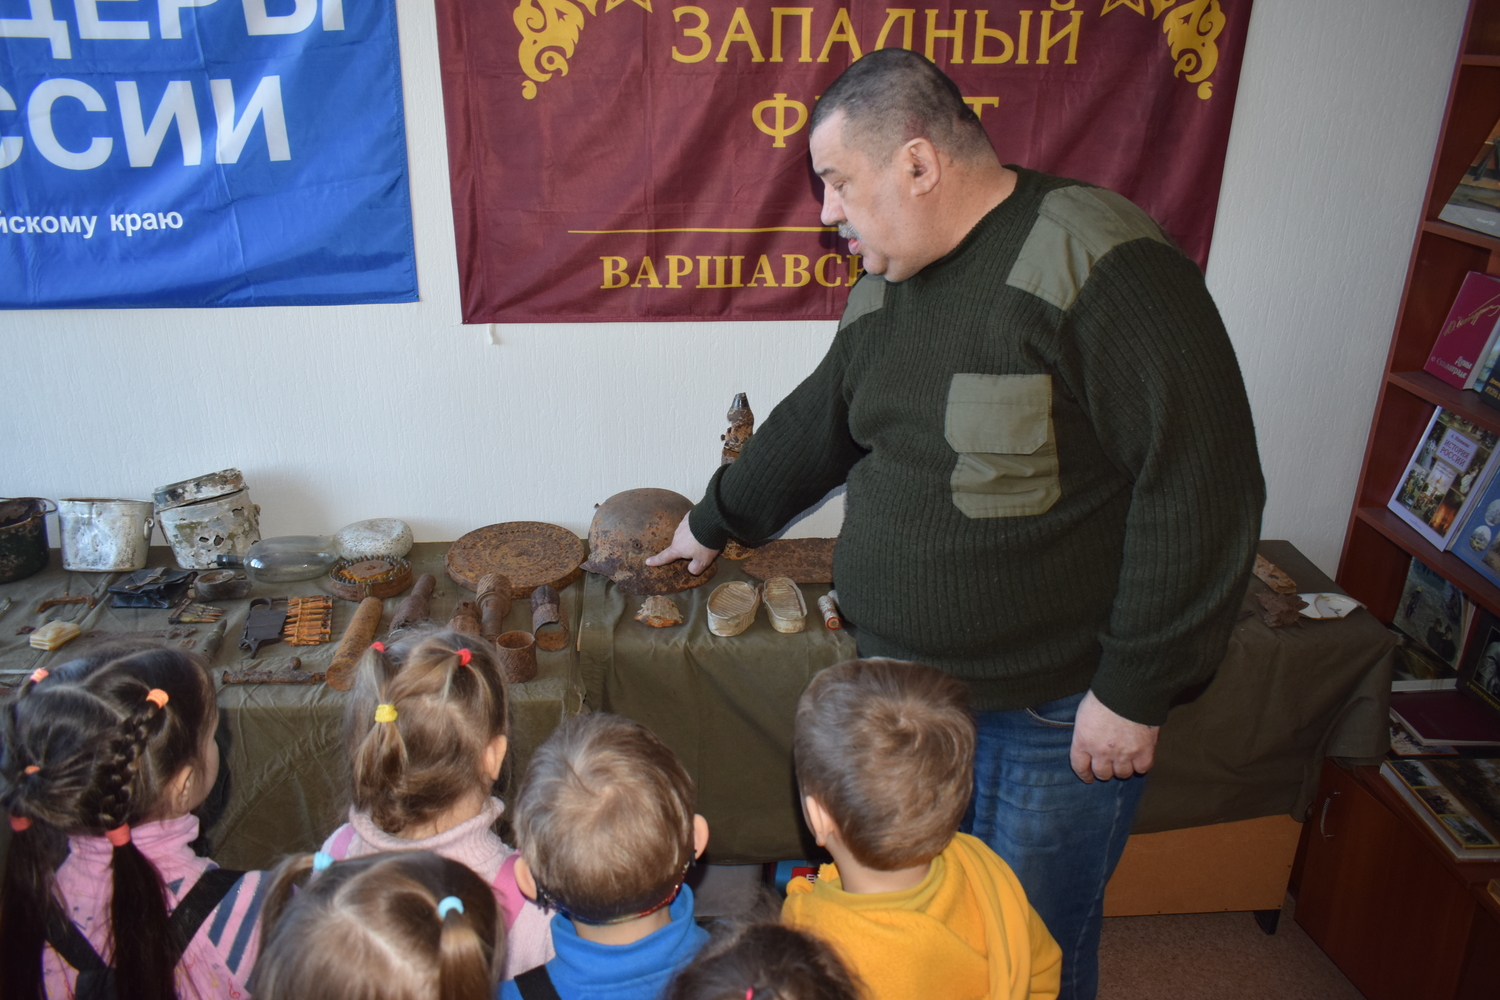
(88, 748)
(408, 925)
(604, 818)
(443, 696)
(887, 747)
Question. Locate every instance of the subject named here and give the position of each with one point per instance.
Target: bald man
(1053, 490)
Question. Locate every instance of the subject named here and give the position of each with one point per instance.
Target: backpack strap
(96, 980)
(536, 984)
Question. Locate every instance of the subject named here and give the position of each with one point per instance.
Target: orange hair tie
(19, 823)
(38, 675)
(119, 836)
(157, 697)
(378, 646)
(464, 656)
(30, 769)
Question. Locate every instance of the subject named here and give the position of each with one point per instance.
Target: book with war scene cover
(1464, 350)
(1475, 203)
(1449, 469)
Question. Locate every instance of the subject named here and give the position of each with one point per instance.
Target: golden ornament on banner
(780, 130)
(549, 32)
(1191, 31)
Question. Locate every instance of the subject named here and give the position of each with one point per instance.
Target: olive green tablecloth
(1249, 746)
(285, 767)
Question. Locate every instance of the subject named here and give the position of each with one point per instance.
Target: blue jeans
(1062, 837)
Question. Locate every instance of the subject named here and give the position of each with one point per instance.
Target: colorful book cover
(1449, 469)
(1463, 344)
(1478, 541)
(1479, 671)
(1475, 782)
(1431, 613)
(1475, 203)
(1453, 818)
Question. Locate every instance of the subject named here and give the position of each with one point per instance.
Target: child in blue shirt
(606, 830)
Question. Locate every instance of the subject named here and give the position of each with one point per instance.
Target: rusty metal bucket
(23, 537)
(201, 531)
(104, 536)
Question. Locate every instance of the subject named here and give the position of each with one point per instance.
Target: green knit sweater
(1051, 466)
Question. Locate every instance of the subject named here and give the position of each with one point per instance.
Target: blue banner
(202, 153)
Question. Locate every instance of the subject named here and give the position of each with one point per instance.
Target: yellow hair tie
(385, 713)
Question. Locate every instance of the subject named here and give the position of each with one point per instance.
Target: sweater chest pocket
(1001, 428)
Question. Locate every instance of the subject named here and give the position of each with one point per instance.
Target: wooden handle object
(357, 638)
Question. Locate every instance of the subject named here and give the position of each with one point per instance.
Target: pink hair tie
(157, 697)
(38, 675)
(379, 647)
(464, 656)
(19, 823)
(30, 769)
(119, 836)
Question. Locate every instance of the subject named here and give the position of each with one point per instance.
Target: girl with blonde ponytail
(427, 731)
(404, 926)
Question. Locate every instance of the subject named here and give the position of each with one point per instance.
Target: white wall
(336, 414)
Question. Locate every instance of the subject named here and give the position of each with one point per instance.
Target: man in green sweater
(1053, 490)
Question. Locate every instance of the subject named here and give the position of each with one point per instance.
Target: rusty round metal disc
(527, 553)
(354, 581)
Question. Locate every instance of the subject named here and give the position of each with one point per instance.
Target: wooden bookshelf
(1378, 546)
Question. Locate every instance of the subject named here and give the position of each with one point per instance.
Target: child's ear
(524, 881)
(818, 821)
(494, 756)
(700, 835)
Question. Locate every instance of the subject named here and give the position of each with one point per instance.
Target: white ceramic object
(1328, 605)
(377, 538)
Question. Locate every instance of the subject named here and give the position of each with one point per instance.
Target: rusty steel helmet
(635, 524)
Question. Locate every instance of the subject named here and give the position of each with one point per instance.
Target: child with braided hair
(426, 727)
(400, 926)
(102, 760)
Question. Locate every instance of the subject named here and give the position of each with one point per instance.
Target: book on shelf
(1465, 350)
(1479, 670)
(1475, 203)
(1433, 615)
(1478, 541)
(1403, 744)
(1446, 718)
(1449, 469)
(1463, 833)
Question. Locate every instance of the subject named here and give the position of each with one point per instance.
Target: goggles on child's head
(546, 900)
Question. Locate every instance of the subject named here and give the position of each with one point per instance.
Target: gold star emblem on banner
(612, 4)
(1139, 6)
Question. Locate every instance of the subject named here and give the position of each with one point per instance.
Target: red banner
(635, 160)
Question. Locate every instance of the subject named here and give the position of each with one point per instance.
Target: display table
(1248, 747)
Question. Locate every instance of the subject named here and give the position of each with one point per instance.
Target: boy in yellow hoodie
(885, 758)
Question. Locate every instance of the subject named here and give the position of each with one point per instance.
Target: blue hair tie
(449, 904)
(321, 861)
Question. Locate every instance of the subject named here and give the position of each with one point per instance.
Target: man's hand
(1106, 745)
(685, 546)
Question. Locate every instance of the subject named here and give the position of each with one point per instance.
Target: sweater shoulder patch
(1075, 227)
(867, 295)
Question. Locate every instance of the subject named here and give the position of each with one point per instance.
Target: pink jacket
(218, 960)
(528, 928)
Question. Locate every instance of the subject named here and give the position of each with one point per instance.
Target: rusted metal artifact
(354, 581)
(517, 655)
(629, 527)
(528, 553)
(221, 585)
(493, 597)
(547, 622)
(53, 602)
(806, 560)
(23, 537)
(785, 604)
(1271, 575)
(1281, 609)
(287, 671)
(659, 612)
(264, 623)
(414, 610)
(356, 640)
(741, 426)
(731, 608)
(309, 620)
(828, 604)
(466, 619)
(186, 612)
(207, 517)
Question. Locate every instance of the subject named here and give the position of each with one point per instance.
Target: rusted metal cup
(517, 655)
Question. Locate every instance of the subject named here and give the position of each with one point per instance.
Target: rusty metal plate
(528, 553)
(354, 580)
(805, 560)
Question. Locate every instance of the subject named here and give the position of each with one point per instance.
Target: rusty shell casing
(741, 426)
(547, 622)
(629, 527)
(415, 608)
(357, 638)
(517, 652)
(465, 619)
(493, 598)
